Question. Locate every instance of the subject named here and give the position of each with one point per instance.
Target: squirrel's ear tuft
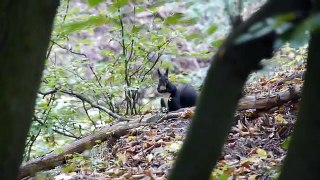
(159, 72)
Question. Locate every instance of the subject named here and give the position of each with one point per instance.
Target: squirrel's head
(163, 81)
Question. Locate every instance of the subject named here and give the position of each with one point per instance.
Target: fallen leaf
(280, 119)
(262, 153)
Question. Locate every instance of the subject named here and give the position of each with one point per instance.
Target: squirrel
(175, 98)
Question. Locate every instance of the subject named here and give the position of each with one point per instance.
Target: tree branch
(82, 98)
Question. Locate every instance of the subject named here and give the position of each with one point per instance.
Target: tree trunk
(25, 28)
(303, 158)
(222, 89)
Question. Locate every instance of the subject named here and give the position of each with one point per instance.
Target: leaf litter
(255, 148)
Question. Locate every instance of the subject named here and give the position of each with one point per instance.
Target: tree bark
(303, 158)
(25, 28)
(222, 89)
(253, 102)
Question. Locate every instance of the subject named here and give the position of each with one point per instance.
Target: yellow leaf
(252, 177)
(175, 147)
(273, 80)
(262, 153)
(245, 161)
(280, 119)
(132, 138)
(122, 159)
(299, 57)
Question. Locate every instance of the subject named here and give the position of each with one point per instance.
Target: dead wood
(113, 132)
(110, 134)
(54, 158)
(254, 102)
(293, 76)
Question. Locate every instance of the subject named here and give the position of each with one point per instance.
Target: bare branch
(86, 111)
(159, 54)
(69, 49)
(107, 97)
(82, 98)
(66, 12)
(55, 130)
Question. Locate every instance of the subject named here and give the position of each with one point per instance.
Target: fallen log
(110, 134)
(254, 102)
(299, 75)
(114, 132)
(54, 158)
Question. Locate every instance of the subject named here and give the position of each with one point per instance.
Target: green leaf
(224, 177)
(173, 19)
(122, 57)
(217, 43)
(181, 29)
(279, 24)
(85, 41)
(212, 29)
(254, 35)
(81, 25)
(69, 168)
(154, 9)
(136, 29)
(285, 144)
(93, 3)
(112, 9)
(286, 17)
(121, 3)
(300, 35)
(188, 21)
(107, 52)
(140, 9)
(194, 36)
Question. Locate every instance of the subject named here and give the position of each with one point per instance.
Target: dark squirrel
(184, 96)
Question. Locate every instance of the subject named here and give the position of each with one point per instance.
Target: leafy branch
(84, 99)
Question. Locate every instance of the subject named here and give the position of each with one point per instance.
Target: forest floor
(255, 147)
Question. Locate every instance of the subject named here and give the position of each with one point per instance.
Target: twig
(153, 65)
(66, 12)
(124, 53)
(159, 54)
(55, 130)
(86, 111)
(32, 140)
(69, 49)
(107, 97)
(118, 117)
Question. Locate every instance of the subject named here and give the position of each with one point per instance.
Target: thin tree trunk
(222, 88)
(303, 158)
(25, 28)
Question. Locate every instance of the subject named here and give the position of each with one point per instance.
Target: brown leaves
(145, 152)
(255, 147)
(187, 114)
